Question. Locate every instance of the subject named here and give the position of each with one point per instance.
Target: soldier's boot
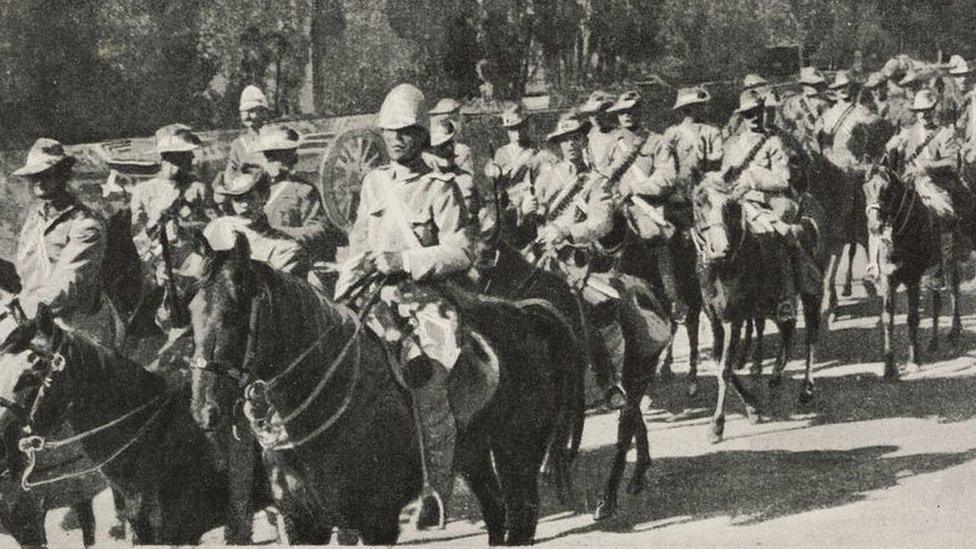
(786, 259)
(665, 264)
(606, 337)
(437, 436)
(946, 264)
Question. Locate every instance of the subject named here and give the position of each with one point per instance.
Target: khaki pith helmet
(403, 108)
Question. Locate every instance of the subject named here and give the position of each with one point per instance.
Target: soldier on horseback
(876, 100)
(927, 155)
(244, 156)
(413, 228)
(166, 212)
(835, 129)
(801, 112)
(441, 158)
(756, 168)
(60, 247)
(450, 110)
(601, 138)
(692, 146)
(749, 82)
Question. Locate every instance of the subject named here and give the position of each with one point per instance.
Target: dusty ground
(867, 463)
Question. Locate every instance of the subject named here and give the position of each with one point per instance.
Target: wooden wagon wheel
(352, 155)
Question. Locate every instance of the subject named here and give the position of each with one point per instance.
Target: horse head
(717, 221)
(32, 395)
(221, 314)
(883, 191)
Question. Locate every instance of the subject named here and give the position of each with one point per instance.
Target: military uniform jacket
(241, 154)
(688, 146)
(294, 207)
(188, 204)
(589, 214)
(769, 170)
(943, 145)
(520, 166)
(462, 157)
(600, 146)
(267, 244)
(966, 123)
(834, 130)
(59, 256)
(800, 114)
(409, 210)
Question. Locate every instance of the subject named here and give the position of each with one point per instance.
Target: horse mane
(103, 365)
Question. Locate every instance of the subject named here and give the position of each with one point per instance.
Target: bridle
(699, 229)
(906, 204)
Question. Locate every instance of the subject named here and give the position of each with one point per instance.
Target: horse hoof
(847, 291)
(806, 395)
(604, 510)
(753, 415)
(933, 346)
(954, 334)
(717, 431)
(891, 374)
(775, 382)
(636, 484)
(665, 375)
(913, 368)
(692, 388)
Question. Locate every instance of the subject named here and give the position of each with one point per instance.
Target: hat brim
(815, 82)
(252, 106)
(592, 107)
(513, 124)
(960, 73)
(621, 107)
(33, 168)
(441, 140)
(689, 102)
(561, 135)
(183, 148)
(222, 190)
(278, 146)
(913, 108)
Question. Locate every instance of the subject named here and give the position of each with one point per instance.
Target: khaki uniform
(294, 207)
(59, 256)
(767, 173)
(267, 245)
(243, 152)
(463, 158)
(943, 145)
(693, 149)
(589, 214)
(800, 114)
(422, 216)
(185, 206)
(834, 130)
(520, 167)
(600, 149)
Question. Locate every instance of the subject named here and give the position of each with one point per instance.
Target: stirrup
(615, 398)
(785, 311)
(431, 513)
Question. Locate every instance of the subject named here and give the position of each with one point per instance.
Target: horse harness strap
(841, 119)
(738, 170)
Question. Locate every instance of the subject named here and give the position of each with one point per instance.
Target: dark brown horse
(739, 285)
(904, 244)
(140, 433)
(340, 437)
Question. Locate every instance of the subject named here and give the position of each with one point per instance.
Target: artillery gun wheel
(350, 157)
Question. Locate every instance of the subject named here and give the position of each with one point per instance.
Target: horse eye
(32, 357)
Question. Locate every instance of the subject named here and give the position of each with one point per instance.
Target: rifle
(179, 314)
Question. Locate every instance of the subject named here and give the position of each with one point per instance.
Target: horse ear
(44, 319)
(242, 248)
(201, 245)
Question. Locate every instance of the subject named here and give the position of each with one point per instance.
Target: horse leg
(625, 433)
(743, 355)
(517, 459)
(888, 330)
(665, 373)
(86, 519)
(757, 358)
(936, 312)
(786, 331)
(956, 331)
(691, 328)
(811, 321)
(849, 273)
(724, 375)
(383, 529)
(829, 302)
(241, 458)
(913, 292)
(480, 477)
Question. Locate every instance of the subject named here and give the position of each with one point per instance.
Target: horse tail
(570, 408)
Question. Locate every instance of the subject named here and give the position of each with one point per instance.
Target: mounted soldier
(876, 97)
(602, 136)
(903, 95)
(751, 81)
(412, 227)
(836, 128)
(441, 158)
(450, 109)
(692, 146)
(167, 211)
(244, 156)
(60, 248)
(513, 172)
(756, 167)
(801, 112)
(575, 205)
(927, 155)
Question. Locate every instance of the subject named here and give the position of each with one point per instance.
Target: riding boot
(665, 264)
(786, 309)
(606, 349)
(437, 435)
(946, 264)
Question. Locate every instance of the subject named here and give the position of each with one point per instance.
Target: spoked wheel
(350, 157)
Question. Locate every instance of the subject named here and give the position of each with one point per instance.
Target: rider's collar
(56, 207)
(409, 172)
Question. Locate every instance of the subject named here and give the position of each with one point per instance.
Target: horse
(138, 431)
(904, 244)
(738, 288)
(275, 331)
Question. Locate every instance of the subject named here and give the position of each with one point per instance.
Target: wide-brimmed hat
(841, 80)
(874, 80)
(43, 155)
(749, 100)
(241, 184)
(691, 96)
(924, 100)
(445, 106)
(176, 138)
(513, 115)
(958, 66)
(441, 132)
(402, 108)
(753, 80)
(569, 123)
(627, 100)
(911, 76)
(811, 76)
(598, 101)
(252, 97)
(277, 139)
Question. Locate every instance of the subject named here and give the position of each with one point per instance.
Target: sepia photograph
(460, 273)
